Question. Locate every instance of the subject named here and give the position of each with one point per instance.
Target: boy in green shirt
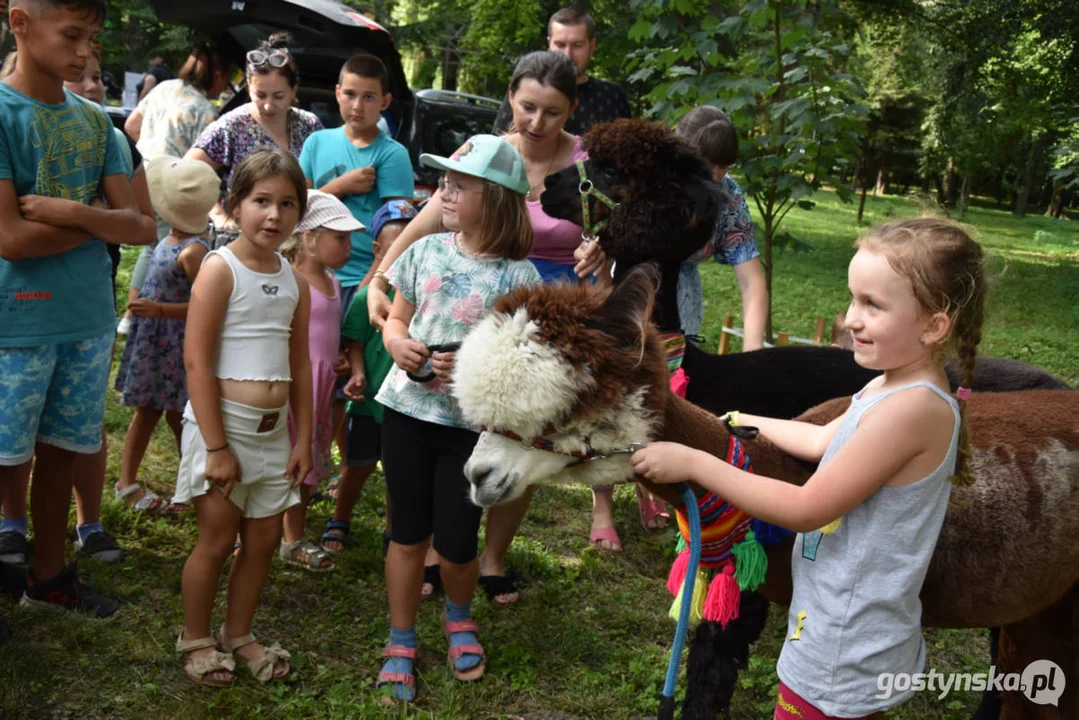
(370, 363)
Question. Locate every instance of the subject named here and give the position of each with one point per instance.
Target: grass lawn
(590, 635)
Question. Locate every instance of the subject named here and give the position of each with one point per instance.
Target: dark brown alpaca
(586, 371)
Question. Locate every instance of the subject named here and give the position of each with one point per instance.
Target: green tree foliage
(778, 68)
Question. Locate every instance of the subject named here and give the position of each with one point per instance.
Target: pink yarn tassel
(724, 598)
(679, 382)
(677, 578)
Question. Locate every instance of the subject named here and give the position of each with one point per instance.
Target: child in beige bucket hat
(151, 375)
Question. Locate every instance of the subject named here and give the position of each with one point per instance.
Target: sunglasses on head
(273, 58)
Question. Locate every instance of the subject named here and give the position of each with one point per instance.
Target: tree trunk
(861, 203)
(939, 184)
(1033, 159)
(1056, 202)
(950, 190)
(882, 183)
(451, 65)
(964, 195)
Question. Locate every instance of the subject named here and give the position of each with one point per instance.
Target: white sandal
(201, 669)
(261, 668)
(149, 502)
(312, 556)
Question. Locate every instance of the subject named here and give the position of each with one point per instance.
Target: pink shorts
(791, 706)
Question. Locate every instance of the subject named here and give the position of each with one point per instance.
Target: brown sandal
(262, 668)
(201, 669)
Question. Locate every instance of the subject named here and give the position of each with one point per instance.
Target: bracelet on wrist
(217, 449)
(379, 275)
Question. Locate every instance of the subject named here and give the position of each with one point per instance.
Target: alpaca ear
(628, 309)
(707, 197)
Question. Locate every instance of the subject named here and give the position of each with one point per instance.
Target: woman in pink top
(543, 95)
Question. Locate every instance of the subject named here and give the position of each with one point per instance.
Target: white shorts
(259, 439)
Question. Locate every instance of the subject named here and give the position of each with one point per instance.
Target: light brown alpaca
(587, 373)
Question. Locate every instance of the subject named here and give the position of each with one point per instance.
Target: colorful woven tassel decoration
(679, 382)
(681, 544)
(696, 605)
(677, 578)
(769, 534)
(752, 562)
(724, 598)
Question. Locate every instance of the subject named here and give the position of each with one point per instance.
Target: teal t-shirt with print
(451, 290)
(60, 151)
(329, 154)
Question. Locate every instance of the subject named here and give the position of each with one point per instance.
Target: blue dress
(151, 372)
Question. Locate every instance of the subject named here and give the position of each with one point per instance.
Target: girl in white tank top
(918, 291)
(247, 363)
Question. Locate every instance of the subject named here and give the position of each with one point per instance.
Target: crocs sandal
(456, 651)
(405, 679)
(432, 576)
(264, 668)
(202, 669)
(654, 514)
(149, 503)
(311, 558)
(608, 534)
(495, 586)
(342, 537)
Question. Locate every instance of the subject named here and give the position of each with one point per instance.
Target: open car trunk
(324, 33)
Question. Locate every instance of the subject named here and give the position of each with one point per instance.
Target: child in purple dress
(320, 244)
(151, 376)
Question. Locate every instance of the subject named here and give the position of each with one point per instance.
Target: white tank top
(258, 322)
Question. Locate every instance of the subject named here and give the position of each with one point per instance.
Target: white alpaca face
(506, 378)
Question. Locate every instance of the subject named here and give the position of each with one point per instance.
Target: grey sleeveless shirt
(855, 612)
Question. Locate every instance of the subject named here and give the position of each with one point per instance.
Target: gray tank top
(855, 612)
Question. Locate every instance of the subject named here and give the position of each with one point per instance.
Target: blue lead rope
(666, 703)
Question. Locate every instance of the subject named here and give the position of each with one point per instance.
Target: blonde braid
(946, 267)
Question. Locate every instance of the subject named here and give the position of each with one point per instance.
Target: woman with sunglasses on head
(270, 119)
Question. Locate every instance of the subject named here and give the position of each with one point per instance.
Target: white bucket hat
(183, 192)
(326, 211)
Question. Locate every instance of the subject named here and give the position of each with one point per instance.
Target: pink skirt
(322, 382)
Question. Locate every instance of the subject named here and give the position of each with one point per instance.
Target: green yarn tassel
(751, 562)
(681, 544)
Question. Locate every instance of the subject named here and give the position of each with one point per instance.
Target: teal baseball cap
(487, 157)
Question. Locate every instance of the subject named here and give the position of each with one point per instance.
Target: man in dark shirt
(572, 33)
(156, 73)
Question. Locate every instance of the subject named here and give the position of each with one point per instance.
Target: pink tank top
(555, 240)
(324, 328)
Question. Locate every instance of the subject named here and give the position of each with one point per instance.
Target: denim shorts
(53, 394)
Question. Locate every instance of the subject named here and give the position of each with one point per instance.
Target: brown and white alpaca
(582, 368)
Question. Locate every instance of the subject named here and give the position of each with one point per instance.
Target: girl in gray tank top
(869, 518)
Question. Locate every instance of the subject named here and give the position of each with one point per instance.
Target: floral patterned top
(732, 243)
(174, 114)
(451, 290)
(237, 133)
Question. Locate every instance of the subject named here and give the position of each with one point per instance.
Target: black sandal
(495, 585)
(432, 575)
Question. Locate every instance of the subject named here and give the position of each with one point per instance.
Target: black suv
(325, 33)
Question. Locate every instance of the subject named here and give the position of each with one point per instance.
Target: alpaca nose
(478, 475)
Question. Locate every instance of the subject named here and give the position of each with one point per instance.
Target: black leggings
(424, 465)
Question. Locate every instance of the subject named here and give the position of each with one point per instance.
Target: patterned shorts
(53, 394)
(791, 706)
